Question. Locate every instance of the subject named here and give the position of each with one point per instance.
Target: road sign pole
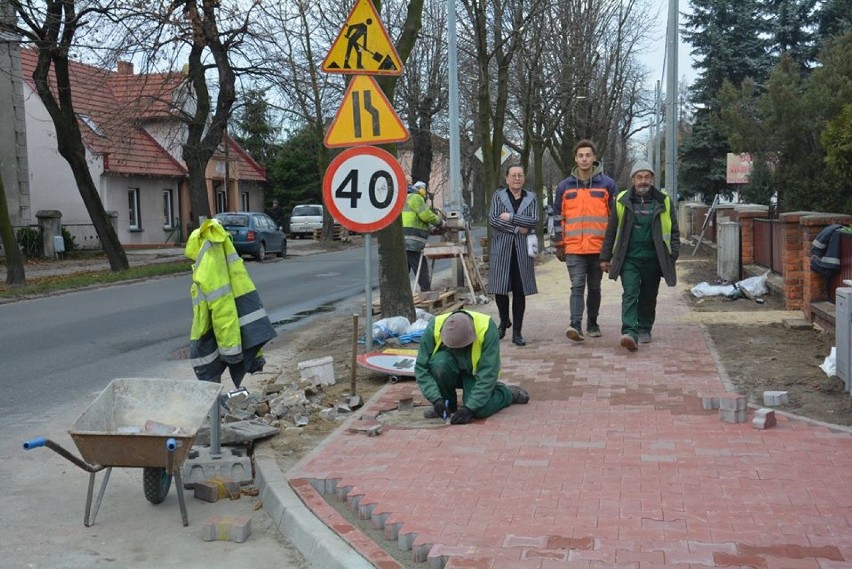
(368, 291)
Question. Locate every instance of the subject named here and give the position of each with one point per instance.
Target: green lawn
(58, 283)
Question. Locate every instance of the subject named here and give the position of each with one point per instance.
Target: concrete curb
(319, 544)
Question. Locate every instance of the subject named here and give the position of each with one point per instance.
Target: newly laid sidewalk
(612, 464)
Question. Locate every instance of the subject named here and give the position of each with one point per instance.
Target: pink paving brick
(613, 455)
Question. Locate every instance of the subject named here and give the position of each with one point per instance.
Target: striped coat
(505, 238)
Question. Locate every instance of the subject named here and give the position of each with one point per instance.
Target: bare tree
(292, 49)
(15, 274)
(52, 29)
(423, 87)
(597, 49)
(494, 31)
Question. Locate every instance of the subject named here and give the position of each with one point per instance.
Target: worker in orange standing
(582, 206)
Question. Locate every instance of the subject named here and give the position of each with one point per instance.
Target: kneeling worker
(462, 350)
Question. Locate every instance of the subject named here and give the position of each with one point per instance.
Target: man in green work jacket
(641, 244)
(462, 350)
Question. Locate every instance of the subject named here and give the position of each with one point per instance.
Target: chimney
(125, 68)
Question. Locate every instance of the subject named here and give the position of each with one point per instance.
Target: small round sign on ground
(364, 189)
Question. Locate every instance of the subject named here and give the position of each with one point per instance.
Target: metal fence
(83, 235)
(769, 243)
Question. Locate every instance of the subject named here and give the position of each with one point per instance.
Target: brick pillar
(745, 215)
(813, 284)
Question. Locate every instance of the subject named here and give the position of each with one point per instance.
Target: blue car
(254, 234)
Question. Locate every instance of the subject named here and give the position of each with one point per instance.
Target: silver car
(305, 219)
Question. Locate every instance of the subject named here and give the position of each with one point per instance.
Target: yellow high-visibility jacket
(229, 323)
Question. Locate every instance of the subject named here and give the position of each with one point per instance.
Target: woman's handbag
(532, 244)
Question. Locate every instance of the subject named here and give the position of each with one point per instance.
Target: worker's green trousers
(450, 376)
(640, 281)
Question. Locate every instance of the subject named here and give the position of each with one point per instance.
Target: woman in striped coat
(514, 215)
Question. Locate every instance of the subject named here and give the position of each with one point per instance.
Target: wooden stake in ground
(354, 354)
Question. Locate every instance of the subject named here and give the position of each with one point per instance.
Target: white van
(305, 219)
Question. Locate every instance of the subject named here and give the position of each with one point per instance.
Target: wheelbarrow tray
(105, 432)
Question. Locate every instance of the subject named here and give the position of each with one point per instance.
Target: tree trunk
(15, 275)
(70, 146)
(395, 290)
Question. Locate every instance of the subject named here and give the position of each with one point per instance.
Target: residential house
(133, 138)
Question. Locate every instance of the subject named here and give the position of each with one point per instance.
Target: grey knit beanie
(640, 165)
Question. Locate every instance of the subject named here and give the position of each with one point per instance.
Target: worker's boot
(519, 394)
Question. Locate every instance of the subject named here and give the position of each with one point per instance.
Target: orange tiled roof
(113, 106)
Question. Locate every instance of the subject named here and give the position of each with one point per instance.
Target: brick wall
(802, 287)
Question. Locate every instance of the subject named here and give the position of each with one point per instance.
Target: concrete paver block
(732, 415)
(709, 402)
(226, 528)
(775, 398)
(733, 402)
(764, 419)
(216, 489)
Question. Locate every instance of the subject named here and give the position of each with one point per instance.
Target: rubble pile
(286, 403)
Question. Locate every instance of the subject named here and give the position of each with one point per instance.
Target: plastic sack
(389, 327)
(754, 287)
(421, 314)
(706, 289)
(829, 366)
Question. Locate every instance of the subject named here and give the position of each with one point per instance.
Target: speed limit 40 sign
(364, 189)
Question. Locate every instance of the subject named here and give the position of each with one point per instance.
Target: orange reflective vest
(585, 213)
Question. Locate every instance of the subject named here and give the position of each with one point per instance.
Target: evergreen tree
(728, 43)
(834, 18)
(292, 171)
(254, 131)
(791, 24)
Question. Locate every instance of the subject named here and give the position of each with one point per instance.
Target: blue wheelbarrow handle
(58, 449)
(35, 443)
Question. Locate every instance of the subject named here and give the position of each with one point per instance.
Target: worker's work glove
(560, 252)
(440, 408)
(462, 416)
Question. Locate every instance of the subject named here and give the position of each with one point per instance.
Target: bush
(70, 242)
(29, 239)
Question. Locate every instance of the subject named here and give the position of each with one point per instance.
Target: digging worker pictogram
(354, 33)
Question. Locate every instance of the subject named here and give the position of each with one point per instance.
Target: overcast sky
(654, 59)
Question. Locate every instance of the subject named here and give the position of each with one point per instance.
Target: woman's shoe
(518, 340)
(502, 328)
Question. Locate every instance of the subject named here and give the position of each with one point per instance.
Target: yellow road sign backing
(363, 45)
(365, 117)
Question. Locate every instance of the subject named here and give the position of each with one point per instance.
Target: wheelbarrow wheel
(156, 482)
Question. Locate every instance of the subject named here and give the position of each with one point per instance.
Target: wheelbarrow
(138, 423)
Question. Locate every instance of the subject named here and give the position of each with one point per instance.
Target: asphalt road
(64, 349)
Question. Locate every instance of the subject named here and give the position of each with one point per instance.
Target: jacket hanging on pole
(229, 323)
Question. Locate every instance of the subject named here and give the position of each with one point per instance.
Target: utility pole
(657, 138)
(671, 104)
(453, 70)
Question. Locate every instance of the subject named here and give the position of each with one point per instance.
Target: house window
(221, 200)
(244, 201)
(168, 209)
(134, 211)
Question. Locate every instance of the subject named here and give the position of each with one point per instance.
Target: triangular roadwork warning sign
(363, 46)
(365, 117)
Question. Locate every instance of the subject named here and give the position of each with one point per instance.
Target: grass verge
(59, 283)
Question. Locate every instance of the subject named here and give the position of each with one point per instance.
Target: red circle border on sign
(398, 172)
